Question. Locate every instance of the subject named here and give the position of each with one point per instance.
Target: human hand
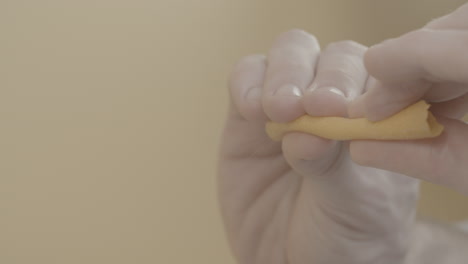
(432, 64)
(303, 200)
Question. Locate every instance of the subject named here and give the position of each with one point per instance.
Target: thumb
(442, 160)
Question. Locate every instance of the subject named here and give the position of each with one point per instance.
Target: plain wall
(111, 113)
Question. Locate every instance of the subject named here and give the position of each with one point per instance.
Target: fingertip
(250, 105)
(284, 105)
(309, 155)
(300, 147)
(327, 101)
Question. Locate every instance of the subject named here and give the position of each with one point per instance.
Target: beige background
(111, 111)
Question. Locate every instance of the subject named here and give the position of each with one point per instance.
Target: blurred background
(111, 112)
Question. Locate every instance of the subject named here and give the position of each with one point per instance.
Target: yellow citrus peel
(413, 122)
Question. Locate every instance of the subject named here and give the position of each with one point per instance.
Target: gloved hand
(303, 200)
(432, 64)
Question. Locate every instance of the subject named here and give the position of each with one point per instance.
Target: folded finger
(434, 55)
(291, 67)
(340, 76)
(245, 87)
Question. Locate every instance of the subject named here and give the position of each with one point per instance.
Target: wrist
(346, 244)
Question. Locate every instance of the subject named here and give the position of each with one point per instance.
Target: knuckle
(250, 59)
(339, 78)
(243, 65)
(289, 71)
(297, 34)
(346, 46)
(291, 67)
(296, 75)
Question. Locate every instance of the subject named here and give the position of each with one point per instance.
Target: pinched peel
(413, 122)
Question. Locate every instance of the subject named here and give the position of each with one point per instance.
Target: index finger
(433, 55)
(423, 64)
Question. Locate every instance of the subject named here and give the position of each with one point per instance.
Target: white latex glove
(432, 64)
(303, 200)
